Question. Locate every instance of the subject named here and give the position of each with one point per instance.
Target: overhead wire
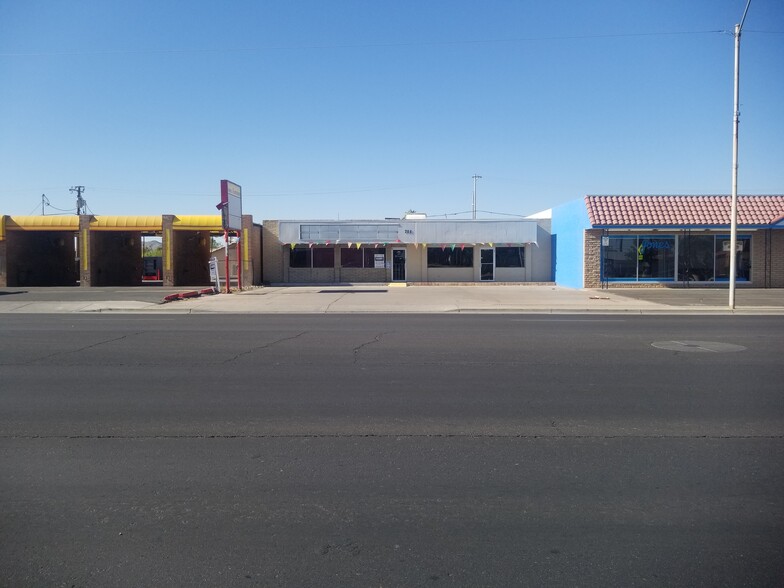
(354, 45)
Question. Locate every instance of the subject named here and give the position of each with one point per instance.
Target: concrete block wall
(271, 253)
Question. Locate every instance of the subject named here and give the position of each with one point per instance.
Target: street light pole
(473, 200)
(735, 119)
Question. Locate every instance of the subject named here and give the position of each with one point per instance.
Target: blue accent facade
(568, 228)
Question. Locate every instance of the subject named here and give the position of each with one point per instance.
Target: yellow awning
(42, 223)
(128, 223)
(198, 222)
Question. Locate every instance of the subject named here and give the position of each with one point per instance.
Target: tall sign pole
(735, 119)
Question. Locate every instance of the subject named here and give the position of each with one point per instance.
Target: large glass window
(350, 257)
(299, 257)
(656, 258)
(696, 258)
(705, 258)
(375, 257)
(323, 257)
(620, 258)
(367, 257)
(306, 257)
(639, 257)
(448, 257)
(510, 257)
(742, 260)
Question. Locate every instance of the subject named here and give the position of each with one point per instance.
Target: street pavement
(396, 298)
(372, 449)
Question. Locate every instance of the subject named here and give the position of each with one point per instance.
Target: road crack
(81, 349)
(260, 347)
(358, 348)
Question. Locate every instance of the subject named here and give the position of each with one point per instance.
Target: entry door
(487, 264)
(398, 265)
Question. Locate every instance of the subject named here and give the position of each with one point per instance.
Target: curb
(189, 294)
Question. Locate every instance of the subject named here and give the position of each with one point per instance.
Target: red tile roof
(678, 211)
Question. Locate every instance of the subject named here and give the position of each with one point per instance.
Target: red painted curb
(208, 291)
(192, 294)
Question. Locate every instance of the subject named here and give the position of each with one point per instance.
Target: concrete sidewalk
(393, 298)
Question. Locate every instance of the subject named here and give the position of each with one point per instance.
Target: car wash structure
(88, 250)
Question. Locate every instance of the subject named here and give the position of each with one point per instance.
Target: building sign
(378, 260)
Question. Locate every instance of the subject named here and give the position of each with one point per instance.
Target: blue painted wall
(569, 223)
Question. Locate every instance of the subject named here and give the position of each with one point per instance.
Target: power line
(357, 45)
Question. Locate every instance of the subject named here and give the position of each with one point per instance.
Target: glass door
(487, 264)
(398, 265)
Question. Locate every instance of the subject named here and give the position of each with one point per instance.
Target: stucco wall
(569, 222)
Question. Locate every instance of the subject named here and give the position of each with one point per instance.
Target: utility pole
(81, 203)
(735, 120)
(473, 200)
(44, 202)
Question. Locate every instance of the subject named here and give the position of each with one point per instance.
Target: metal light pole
(473, 200)
(735, 120)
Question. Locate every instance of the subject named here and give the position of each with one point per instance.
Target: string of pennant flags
(351, 244)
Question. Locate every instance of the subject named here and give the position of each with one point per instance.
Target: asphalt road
(472, 450)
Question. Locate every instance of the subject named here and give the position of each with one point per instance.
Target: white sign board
(214, 278)
(378, 260)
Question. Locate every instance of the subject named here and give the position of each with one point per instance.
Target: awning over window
(42, 223)
(195, 222)
(128, 223)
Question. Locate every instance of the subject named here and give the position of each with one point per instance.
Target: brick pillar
(592, 263)
(167, 239)
(85, 251)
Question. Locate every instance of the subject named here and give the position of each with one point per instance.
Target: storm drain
(698, 346)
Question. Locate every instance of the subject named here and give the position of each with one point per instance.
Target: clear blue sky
(365, 109)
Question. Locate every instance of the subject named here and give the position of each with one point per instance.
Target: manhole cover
(698, 346)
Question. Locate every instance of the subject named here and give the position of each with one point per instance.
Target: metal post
(473, 199)
(239, 261)
(734, 208)
(735, 120)
(226, 244)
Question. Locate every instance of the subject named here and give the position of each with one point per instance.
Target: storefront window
(323, 257)
(448, 257)
(307, 257)
(742, 260)
(299, 257)
(639, 257)
(350, 257)
(510, 257)
(695, 258)
(620, 258)
(656, 258)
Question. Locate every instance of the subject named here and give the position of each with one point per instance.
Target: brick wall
(592, 252)
(355, 274)
(272, 253)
